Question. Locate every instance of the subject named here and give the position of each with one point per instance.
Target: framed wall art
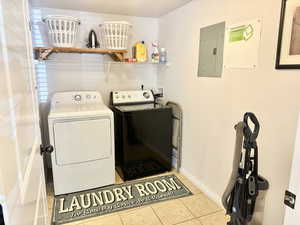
(288, 49)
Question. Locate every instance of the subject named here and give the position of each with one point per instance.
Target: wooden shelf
(42, 53)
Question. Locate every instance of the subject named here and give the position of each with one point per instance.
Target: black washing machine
(143, 134)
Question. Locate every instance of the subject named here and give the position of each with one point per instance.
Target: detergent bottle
(140, 51)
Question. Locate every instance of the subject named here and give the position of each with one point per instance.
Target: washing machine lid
(79, 110)
(140, 107)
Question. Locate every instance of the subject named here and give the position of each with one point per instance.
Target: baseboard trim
(211, 194)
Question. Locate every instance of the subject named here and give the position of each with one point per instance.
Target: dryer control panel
(76, 97)
(132, 97)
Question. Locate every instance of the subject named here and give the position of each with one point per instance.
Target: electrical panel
(211, 50)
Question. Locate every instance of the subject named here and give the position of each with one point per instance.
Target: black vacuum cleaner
(1, 216)
(245, 183)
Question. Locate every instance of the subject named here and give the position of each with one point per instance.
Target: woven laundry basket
(62, 30)
(114, 35)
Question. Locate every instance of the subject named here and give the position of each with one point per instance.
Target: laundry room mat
(113, 198)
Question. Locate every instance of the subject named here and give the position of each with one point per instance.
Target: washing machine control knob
(77, 98)
(146, 95)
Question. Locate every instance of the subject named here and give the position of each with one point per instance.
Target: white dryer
(81, 129)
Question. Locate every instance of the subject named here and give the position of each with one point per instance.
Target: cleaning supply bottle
(141, 54)
(155, 53)
(163, 55)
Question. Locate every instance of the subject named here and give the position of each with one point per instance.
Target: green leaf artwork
(241, 33)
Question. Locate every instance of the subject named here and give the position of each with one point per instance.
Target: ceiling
(147, 8)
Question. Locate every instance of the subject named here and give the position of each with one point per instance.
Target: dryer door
(78, 141)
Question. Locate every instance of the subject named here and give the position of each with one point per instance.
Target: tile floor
(193, 210)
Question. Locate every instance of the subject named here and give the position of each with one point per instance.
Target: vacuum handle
(248, 132)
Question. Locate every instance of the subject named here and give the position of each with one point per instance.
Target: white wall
(213, 105)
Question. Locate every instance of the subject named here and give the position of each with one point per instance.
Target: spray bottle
(155, 53)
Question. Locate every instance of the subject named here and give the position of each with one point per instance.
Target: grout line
(184, 221)
(122, 222)
(156, 215)
(200, 222)
(197, 218)
(209, 214)
(188, 209)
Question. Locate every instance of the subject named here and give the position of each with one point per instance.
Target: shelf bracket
(43, 54)
(117, 56)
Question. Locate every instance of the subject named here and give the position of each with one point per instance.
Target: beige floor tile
(126, 211)
(191, 222)
(75, 223)
(193, 188)
(214, 219)
(200, 205)
(50, 205)
(172, 212)
(118, 179)
(50, 200)
(106, 220)
(144, 216)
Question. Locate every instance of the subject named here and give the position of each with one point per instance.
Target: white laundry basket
(62, 30)
(114, 35)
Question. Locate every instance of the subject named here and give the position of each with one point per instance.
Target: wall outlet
(158, 92)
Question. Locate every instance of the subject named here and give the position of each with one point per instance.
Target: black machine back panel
(156, 139)
(143, 142)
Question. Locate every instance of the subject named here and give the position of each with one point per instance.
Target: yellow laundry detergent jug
(141, 52)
